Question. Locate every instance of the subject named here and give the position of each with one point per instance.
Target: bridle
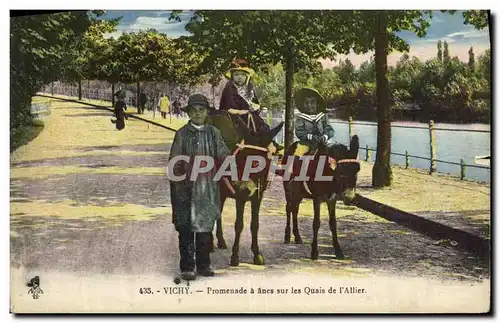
(239, 147)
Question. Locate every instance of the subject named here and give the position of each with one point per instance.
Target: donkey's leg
(287, 227)
(295, 214)
(316, 223)
(258, 258)
(221, 243)
(333, 227)
(288, 211)
(238, 227)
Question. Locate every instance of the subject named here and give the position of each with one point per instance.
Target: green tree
(484, 66)
(472, 61)
(440, 50)
(446, 53)
(348, 75)
(38, 44)
(270, 84)
(366, 73)
(77, 59)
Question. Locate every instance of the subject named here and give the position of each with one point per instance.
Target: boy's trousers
(193, 244)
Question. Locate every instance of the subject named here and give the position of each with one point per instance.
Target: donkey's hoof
(221, 244)
(287, 239)
(235, 261)
(258, 259)
(314, 255)
(298, 240)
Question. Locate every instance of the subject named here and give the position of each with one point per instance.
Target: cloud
(470, 33)
(158, 23)
(461, 36)
(172, 28)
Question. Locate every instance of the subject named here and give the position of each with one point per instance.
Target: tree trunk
(289, 118)
(137, 95)
(79, 89)
(381, 173)
(213, 95)
(113, 94)
(52, 89)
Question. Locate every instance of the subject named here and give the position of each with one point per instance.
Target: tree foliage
(38, 47)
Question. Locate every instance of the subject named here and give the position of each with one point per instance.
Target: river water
(450, 145)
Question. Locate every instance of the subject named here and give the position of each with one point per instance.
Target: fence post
(432, 138)
(368, 154)
(350, 128)
(462, 169)
(407, 156)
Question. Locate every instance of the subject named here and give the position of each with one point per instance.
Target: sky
(444, 26)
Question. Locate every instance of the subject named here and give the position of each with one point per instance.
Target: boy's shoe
(278, 146)
(206, 272)
(188, 275)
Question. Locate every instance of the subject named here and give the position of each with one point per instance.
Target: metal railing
(432, 145)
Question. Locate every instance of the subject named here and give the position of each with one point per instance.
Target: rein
(239, 147)
(250, 121)
(333, 164)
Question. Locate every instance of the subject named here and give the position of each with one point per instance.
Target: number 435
(145, 290)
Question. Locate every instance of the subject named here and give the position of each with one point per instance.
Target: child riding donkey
(240, 100)
(311, 124)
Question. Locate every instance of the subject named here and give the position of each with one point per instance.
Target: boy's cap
(306, 92)
(197, 99)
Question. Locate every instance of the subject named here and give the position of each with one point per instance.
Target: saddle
(222, 120)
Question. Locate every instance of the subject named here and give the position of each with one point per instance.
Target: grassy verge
(22, 135)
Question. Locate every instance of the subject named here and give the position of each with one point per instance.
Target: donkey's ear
(274, 131)
(267, 137)
(244, 131)
(354, 146)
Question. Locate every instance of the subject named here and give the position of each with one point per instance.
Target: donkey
(342, 164)
(244, 145)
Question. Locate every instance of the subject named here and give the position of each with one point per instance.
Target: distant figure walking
(143, 99)
(120, 108)
(164, 105)
(176, 106)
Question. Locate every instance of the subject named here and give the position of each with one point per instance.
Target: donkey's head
(344, 162)
(252, 151)
(261, 139)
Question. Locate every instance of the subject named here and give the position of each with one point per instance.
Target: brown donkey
(341, 163)
(244, 146)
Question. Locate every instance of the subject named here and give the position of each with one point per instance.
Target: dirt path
(88, 199)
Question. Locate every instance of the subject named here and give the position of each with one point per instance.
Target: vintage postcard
(250, 161)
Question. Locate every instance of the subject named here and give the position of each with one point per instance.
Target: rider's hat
(306, 92)
(240, 65)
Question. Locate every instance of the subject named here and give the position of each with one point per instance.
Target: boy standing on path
(196, 203)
